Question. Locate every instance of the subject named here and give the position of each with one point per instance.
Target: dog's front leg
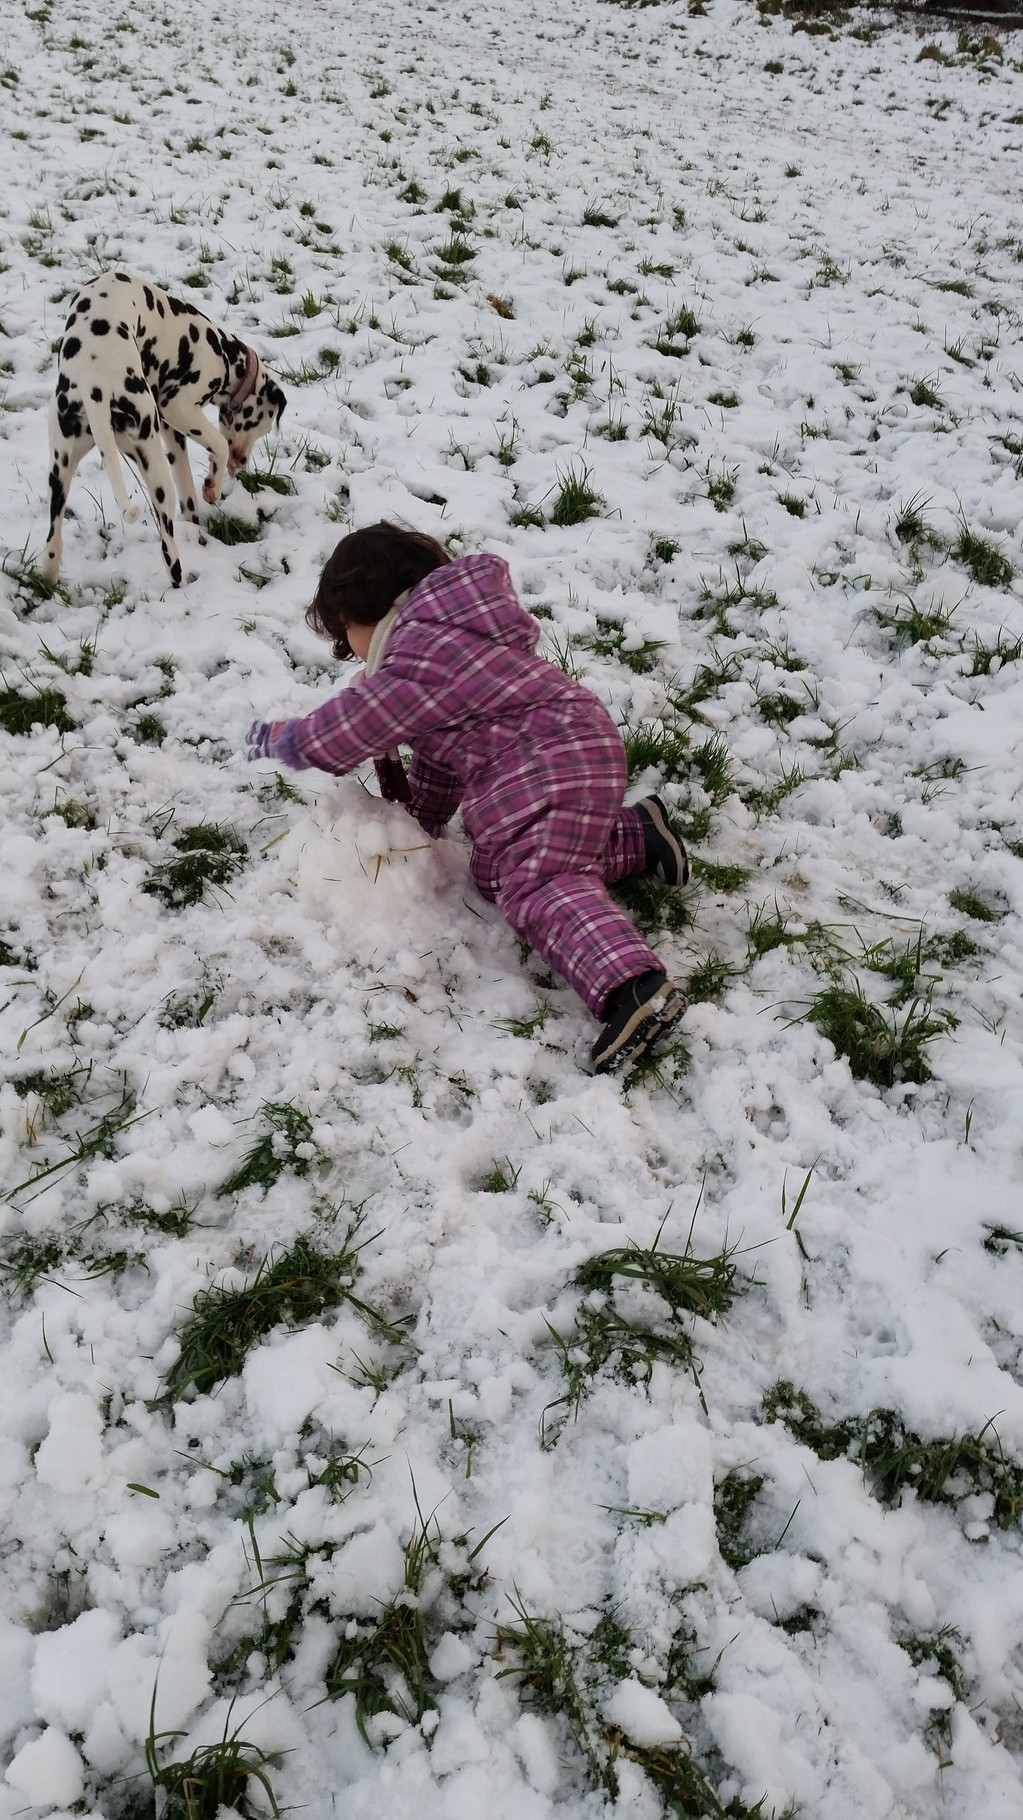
(197, 427)
(177, 455)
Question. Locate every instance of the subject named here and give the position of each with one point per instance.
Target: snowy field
(396, 1419)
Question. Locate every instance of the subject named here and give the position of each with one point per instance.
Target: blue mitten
(260, 738)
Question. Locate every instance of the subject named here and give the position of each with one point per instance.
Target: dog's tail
(103, 436)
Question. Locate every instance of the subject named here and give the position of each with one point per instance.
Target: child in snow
(530, 756)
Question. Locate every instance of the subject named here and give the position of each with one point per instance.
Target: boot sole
(648, 1023)
(659, 821)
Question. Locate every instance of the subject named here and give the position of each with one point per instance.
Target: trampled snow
(757, 288)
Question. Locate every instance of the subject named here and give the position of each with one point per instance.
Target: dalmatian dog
(136, 367)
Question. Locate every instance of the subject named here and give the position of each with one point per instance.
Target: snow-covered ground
(756, 289)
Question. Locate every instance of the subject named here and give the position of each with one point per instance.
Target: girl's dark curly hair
(365, 575)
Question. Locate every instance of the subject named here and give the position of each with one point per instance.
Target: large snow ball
(369, 869)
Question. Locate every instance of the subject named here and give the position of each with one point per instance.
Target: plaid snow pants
(555, 834)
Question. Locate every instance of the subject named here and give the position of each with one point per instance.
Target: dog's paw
(211, 491)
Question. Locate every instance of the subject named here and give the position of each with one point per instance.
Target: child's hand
(260, 737)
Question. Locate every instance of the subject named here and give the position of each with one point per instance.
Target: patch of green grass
(709, 981)
(721, 488)
(287, 1145)
(612, 640)
(659, 745)
(717, 877)
(983, 558)
(20, 713)
(677, 331)
(290, 1288)
(880, 1045)
(987, 659)
(675, 1286)
(907, 966)
(576, 500)
(653, 909)
(229, 529)
(897, 1460)
(981, 909)
(214, 1778)
(55, 1093)
(28, 1259)
(912, 526)
(665, 548)
(1002, 1239)
(547, 1673)
(257, 480)
(909, 624)
(734, 1499)
(937, 1652)
(383, 1662)
(208, 856)
(455, 252)
(923, 393)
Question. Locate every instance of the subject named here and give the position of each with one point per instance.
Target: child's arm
(370, 717)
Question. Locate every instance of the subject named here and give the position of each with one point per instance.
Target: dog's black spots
(143, 460)
(100, 326)
(63, 384)
(135, 382)
(213, 339)
(159, 308)
(179, 308)
(122, 278)
(145, 427)
(175, 574)
(150, 299)
(96, 394)
(124, 331)
(125, 417)
(65, 459)
(71, 347)
(193, 331)
(160, 495)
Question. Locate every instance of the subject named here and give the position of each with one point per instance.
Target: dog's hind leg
(181, 468)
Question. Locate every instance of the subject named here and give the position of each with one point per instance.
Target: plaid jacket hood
(472, 597)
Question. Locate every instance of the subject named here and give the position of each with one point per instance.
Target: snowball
(21, 854)
(642, 1715)
(138, 1537)
(209, 1126)
(369, 868)
(287, 1379)
(451, 1658)
(70, 1669)
(70, 1459)
(48, 1772)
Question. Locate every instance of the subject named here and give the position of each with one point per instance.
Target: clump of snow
(372, 873)
(642, 1715)
(48, 1771)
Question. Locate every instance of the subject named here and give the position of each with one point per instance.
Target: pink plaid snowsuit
(531, 757)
